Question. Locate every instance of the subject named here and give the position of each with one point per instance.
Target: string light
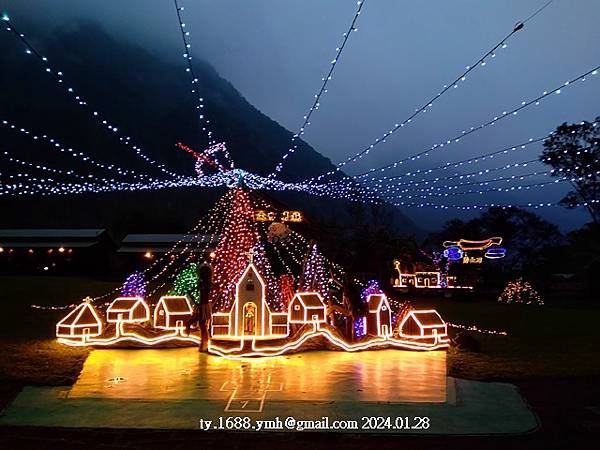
(54, 144)
(465, 132)
(481, 62)
(455, 164)
(70, 91)
(520, 291)
(202, 118)
(476, 329)
(317, 97)
(135, 285)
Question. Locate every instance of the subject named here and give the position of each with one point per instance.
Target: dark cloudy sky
(276, 51)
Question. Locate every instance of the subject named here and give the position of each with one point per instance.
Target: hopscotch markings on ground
(249, 396)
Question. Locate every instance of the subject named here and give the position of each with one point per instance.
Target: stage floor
(175, 388)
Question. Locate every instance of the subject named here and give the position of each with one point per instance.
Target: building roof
(51, 233)
(83, 313)
(124, 303)
(376, 301)
(311, 299)
(51, 237)
(176, 304)
(37, 244)
(428, 318)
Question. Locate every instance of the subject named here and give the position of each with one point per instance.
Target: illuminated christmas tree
(520, 291)
(186, 283)
(134, 286)
(315, 274)
(231, 256)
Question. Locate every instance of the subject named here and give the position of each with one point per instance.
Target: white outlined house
(172, 312)
(128, 310)
(307, 307)
(379, 316)
(82, 322)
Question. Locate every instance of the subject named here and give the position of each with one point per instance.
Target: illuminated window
(297, 307)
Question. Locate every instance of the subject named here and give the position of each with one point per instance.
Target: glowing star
(307, 307)
(128, 310)
(81, 323)
(423, 325)
(172, 312)
(379, 318)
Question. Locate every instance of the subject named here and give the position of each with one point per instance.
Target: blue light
(453, 253)
(495, 253)
(5, 18)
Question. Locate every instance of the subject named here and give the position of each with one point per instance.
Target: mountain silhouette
(149, 100)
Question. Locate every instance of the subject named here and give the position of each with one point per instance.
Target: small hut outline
(172, 311)
(72, 323)
(428, 323)
(379, 318)
(305, 304)
(135, 308)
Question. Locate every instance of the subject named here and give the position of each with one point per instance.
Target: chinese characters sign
(262, 215)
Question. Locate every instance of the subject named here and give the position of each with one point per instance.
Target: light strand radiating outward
(323, 90)
(202, 117)
(372, 186)
(59, 147)
(481, 62)
(78, 99)
(493, 121)
(455, 164)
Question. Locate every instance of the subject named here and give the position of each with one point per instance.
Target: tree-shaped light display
(186, 283)
(134, 286)
(520, 291)
(315, 274)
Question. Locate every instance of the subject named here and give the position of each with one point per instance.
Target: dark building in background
(56, 251)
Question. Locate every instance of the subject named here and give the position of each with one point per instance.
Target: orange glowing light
(307, 307)
(468, 245)
(172, 312)
(379, 317)
(128, 309)
(82, 322)
(148, 255)
(423, 324)
(61, 249)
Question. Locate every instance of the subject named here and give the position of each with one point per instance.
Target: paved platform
(174, 389)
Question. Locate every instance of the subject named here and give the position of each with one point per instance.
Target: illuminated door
(250, 318)
(426, 281)
(384, 330)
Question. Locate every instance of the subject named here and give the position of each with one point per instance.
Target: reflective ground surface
(393, 376)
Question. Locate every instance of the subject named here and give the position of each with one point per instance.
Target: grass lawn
(543, 342)
(28, 353)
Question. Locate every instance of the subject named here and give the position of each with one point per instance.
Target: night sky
(275, 53)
